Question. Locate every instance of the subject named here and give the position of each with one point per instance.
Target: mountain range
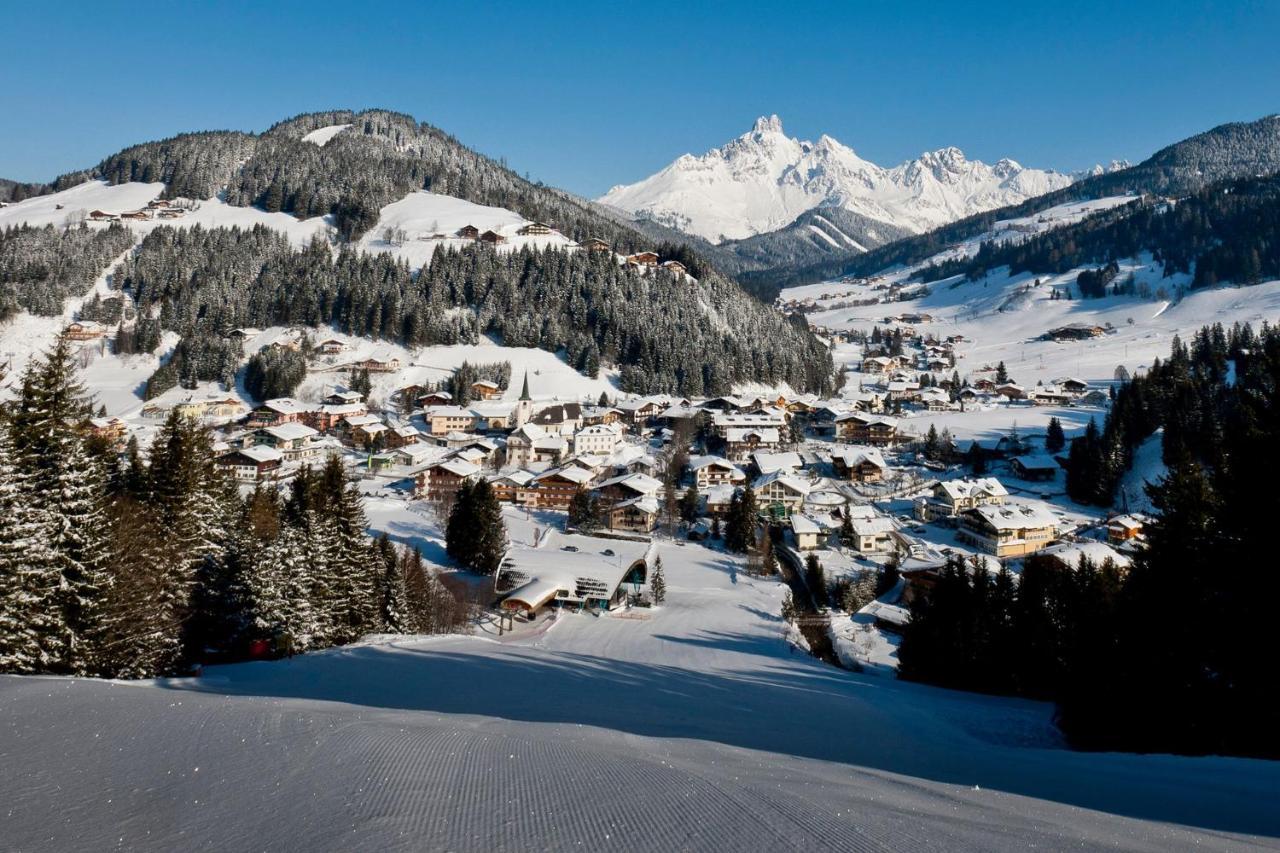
(1223, 153)
(765, 180)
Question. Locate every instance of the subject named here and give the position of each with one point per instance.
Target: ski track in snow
(693, 729)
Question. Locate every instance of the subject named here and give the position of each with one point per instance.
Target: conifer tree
(29, 616)
(658, 583)
(768, 559)
(690, 503)
(1055, 439)
(392, 592)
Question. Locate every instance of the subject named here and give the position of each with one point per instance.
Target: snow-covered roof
(770, 462)
(874, 526)
(600, 429)
(1097, 553)
(457, 467)
(697, 463)
(1036, 462)
(852, 455)
(285, 406)
(1016, 516)
(730, 419)
(518, 478)
(342, 409)
(644, 503)
(801, 523)
(258, 453)
(639, 483)
(572, 473)
(447, 412)
(290, 431)
(960, 489)
(794, 484)
(528, 432)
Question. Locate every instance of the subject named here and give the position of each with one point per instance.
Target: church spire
(524, 392)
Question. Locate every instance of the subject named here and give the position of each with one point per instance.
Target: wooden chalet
(469, 232)
(442, 480)
(483, 389)
(85, 330)
(860, 464)
(555, 489)
(637, 515)
(250, 464)
(643, 259)
(859, 428)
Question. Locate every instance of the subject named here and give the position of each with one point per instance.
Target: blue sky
(585, 96)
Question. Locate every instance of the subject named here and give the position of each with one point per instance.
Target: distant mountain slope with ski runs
(764, 180)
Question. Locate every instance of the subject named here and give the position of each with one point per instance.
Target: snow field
(694, 728)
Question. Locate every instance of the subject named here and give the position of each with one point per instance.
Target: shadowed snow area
(694, 728)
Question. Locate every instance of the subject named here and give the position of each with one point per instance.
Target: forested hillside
(17, 190)
(1237, 150)
(41, 267)
(665, 332)
(1174, 654)
(379, 159)
(1226, 232)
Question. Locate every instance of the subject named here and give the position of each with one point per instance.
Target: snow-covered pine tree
(79, 542)
(29, 615)
(137, 637)
(66, 487)
(281, 586)
(393, 606)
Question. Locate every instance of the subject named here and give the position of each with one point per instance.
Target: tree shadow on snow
(794, 706)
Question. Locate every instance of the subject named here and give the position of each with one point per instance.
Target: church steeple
(524, 391)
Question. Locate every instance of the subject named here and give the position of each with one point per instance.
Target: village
(848, 482)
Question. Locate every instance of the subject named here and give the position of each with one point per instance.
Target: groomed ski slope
(697, 728)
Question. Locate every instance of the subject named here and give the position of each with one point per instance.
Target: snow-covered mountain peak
(769, 124)
(1006, 167)
(763, 180)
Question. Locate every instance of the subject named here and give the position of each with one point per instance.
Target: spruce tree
(690, 503)
(491, 531)
(658, 583)
(392, 591)
(29, 616)
(1055, 439)
(768, 559)
(460, 529)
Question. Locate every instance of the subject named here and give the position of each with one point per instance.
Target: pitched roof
(290, 431)
(1015, 516)
(770, 462)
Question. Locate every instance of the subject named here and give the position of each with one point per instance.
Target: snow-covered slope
(321, 136)
(764, 179)
(73, 206)
(694, 726)
(1003, 318)
(422, 221)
